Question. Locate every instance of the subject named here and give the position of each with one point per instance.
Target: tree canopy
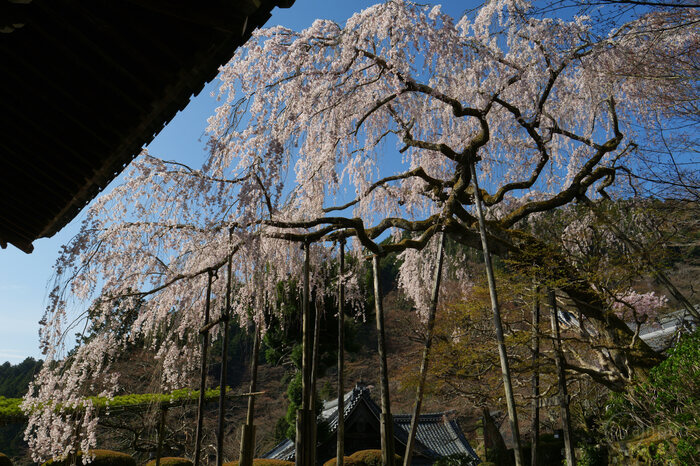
(363, 130)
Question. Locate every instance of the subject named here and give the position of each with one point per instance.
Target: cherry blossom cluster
(639, 307)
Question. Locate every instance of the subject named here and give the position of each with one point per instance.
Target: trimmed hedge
(10, 410)
(5, 460)
(372, 458)
(263, 462)
(100, 458)
(171, 461)
(346, 461)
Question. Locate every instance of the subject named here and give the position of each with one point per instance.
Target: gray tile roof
(283, 451)
(438, 434)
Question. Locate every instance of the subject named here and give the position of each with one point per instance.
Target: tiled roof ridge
(438, 415)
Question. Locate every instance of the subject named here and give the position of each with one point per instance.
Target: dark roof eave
(30, 213)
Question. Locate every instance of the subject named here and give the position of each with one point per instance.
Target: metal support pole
(340, 444)
(503, 355)
(426, 350)
(561, 378)
(386, 420)
(203, 376)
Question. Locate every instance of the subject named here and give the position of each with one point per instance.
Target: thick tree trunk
(386, 420)
(505, 369)
(535, 429)
(623, 354)
(340, 443)
(306, 419)
(561, 379)
(248, 434)
(426, 351)
(203, 376)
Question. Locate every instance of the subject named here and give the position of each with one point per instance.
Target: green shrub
(100, 458)
(592, 455)
(171, 461)
(371, 458)
(5, 460)
(263, 462)
(656, 420)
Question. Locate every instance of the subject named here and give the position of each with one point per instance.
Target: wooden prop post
(340, 444)
(561, 378)
(203, 376)
(248, 434)
(386, 420)
(535, 376)
(426, 350)
(503, 355)
(314, 365)
(224, 365)
(306, 418)
(161, 434)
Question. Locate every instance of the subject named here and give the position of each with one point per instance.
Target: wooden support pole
(503, 355)
(248, 434)
(247, 445)
(306, 420)
(161, 429)
(426, 350)
(314, 367)
(224, 365)
(561, 378)
(484, 430)
(386, 420)
(340, 443)
(203, 377)
(307, 343)
(250, 415)
(535, 428)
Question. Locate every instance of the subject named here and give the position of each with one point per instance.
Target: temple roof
(438, 434)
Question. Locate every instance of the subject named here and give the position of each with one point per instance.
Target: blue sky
(24, 277)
